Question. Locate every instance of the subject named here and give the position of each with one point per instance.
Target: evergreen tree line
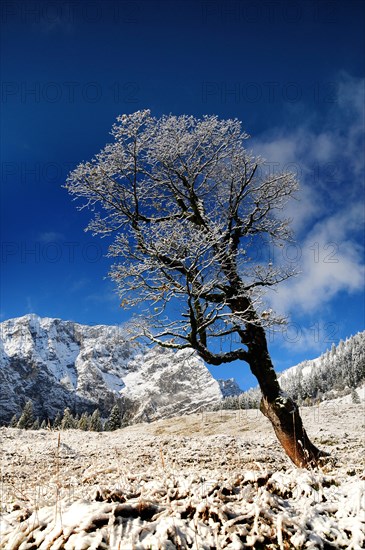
(67, 420)
(335, 373)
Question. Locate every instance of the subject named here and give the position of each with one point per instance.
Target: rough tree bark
(279, 408)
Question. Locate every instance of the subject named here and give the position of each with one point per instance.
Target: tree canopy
(189, 207)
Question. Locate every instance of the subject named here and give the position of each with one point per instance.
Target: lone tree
(190, 208)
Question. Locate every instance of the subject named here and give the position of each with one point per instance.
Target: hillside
(342, 367)
(337, 373)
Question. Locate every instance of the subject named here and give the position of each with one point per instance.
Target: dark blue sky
(292, 71)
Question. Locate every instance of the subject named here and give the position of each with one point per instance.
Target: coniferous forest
(336, 373)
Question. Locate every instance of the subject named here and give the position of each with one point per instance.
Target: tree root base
(284, 415)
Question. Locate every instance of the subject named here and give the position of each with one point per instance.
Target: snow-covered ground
(205, 481)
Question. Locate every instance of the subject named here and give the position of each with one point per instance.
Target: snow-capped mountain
(60, 364)
(229, 387)
(338, 369)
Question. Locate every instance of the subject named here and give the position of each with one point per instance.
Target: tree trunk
(279, 408)
(283, 414)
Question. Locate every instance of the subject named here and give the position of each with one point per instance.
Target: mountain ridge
(59, 364)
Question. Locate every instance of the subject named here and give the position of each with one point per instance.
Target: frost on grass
(135, 489)
(295, 509)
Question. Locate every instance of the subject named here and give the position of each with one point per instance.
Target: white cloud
(305, 338)
(350, 94)
(328, 159)
(330, 261)
(326, 155)
(106, 297)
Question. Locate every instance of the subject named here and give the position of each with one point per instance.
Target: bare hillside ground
(205, 481)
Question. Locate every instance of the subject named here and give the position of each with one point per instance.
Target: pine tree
(13, 422)
(95, 423)
(355, 397)
(43, 425)
(68, 420)
(35, 425)
(84, 422)
(57, 421)
(26, 420)
(114, 421)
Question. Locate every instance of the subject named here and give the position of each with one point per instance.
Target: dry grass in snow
(209, 481)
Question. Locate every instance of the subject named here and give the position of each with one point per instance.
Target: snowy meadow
(205, 481)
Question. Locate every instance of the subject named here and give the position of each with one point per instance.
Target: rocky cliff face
(229, 387)
(60, 364)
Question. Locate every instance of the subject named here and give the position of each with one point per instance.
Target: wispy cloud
(50, 236)
(327, 155)
(328, 217)
(29, 305)
(79, 284)
(107, 297)
(330, 261)
(304, 339)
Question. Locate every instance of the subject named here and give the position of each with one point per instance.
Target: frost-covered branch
(186, 203)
